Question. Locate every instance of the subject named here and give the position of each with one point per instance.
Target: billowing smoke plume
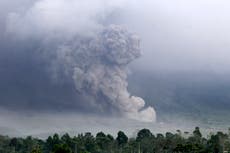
(93, 54)
(98, 66)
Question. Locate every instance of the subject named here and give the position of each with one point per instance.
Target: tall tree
(121, 138)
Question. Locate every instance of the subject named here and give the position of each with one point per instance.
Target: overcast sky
(180, 35)
(185, 53)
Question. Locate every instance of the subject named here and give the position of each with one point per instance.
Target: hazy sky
(181, 35)
(184, 64)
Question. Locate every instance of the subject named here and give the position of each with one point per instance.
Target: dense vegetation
(144, 142)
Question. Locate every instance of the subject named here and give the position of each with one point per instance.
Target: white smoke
(95, 56)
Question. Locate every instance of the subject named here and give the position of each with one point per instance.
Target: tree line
(144, 142)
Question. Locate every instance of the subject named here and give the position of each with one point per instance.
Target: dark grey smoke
(79, 53)
(98, 68)
(179, 39)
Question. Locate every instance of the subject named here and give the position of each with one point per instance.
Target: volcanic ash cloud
(98, 66)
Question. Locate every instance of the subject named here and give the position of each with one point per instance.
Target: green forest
(144, 142)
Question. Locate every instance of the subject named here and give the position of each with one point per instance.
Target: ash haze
(156, 64)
